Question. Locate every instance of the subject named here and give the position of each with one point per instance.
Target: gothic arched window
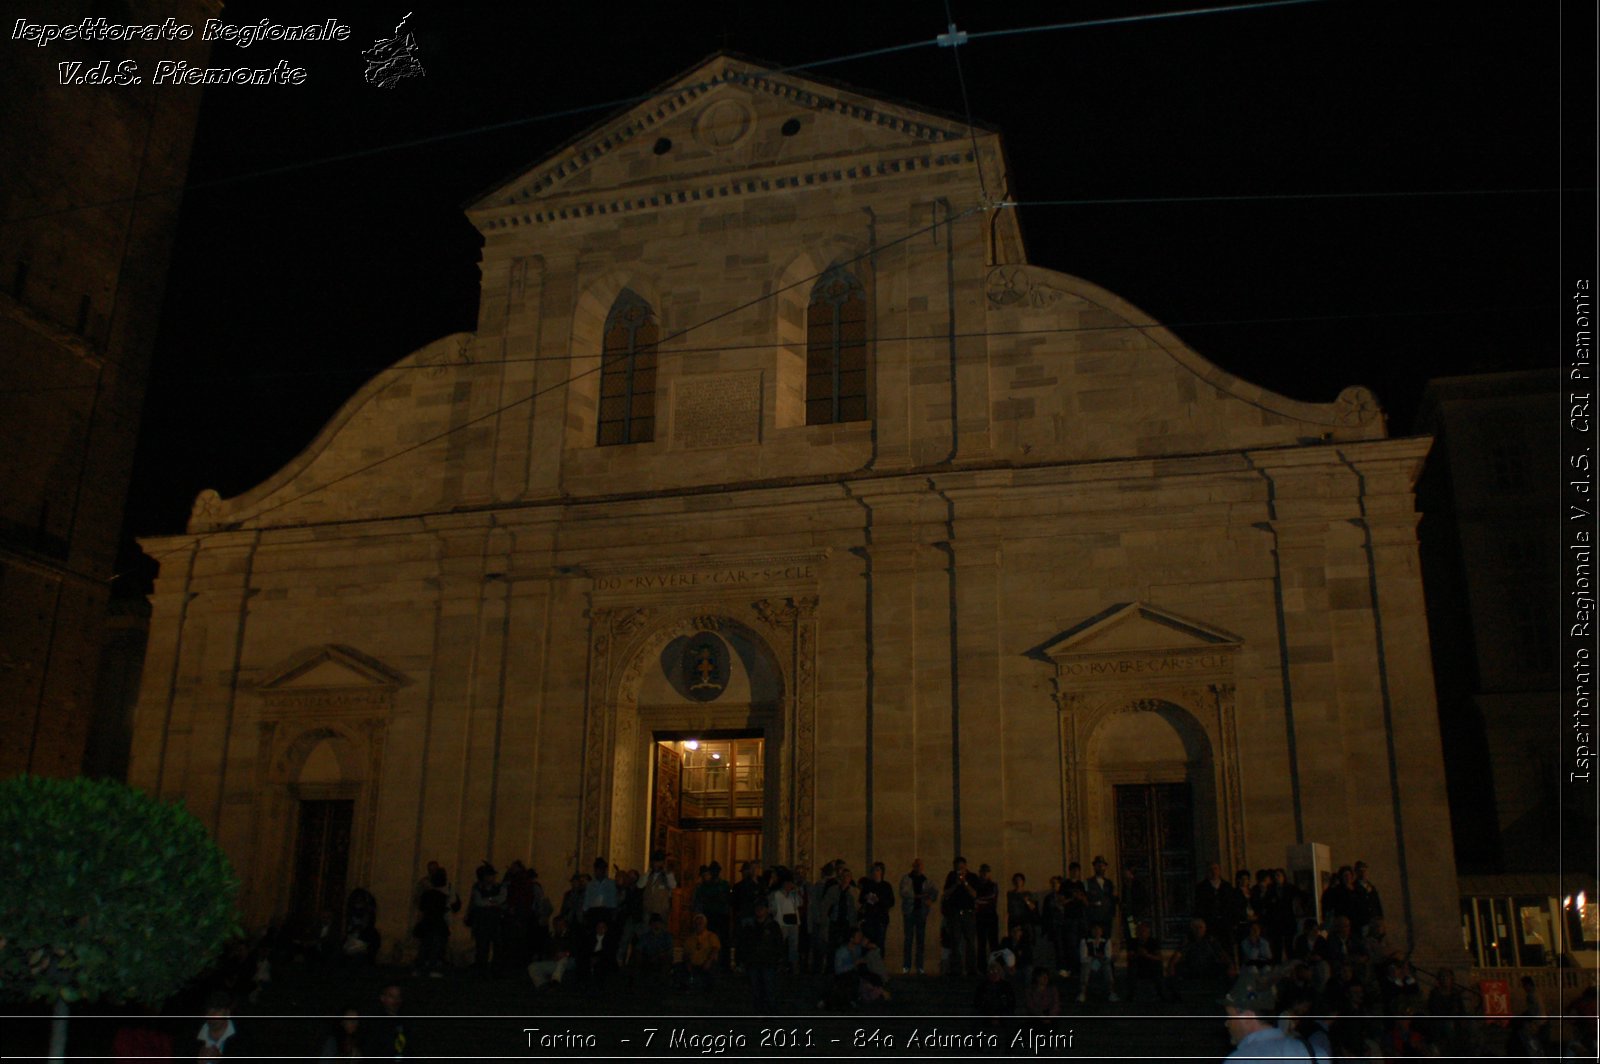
(836, 350)
(628, 373)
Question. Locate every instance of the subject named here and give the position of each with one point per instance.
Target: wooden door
(322, 860)
(1155, 838)
(666, 804)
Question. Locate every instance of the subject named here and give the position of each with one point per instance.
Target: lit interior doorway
(709, 799)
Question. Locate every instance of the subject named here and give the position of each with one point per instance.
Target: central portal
(738, 681)
(709, 798)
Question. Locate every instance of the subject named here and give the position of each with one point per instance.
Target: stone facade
(1063, 554)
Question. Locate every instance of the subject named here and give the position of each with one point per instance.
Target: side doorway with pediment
(322, 720)
(1149, 753)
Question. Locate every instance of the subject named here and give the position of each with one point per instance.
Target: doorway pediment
(1134, 627)
(330, 667)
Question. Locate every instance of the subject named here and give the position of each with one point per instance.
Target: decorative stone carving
(1011, 286)
(1357, 406)
(283, 746)
(723, 124)
(776, 613)
(626, 622)
(596, 714)
(1210, 706)
(207, 509)
(1223, 696)
(441, 356)
(805, 729)
(624, 643)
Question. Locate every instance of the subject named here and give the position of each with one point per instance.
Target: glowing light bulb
(691, 744)
(716, 757)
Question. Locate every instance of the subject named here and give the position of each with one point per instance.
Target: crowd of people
(1313, 977)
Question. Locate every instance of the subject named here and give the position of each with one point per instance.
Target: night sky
(291, 285)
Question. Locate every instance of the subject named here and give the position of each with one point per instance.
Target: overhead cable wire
(373, 372)
(629, 101)
(1152, 16)
(954, 39)
(497, 411)
(1111, 201)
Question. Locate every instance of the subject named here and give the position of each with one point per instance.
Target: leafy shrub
(105, 893)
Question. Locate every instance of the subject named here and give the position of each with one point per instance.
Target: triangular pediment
(1135, 627)
(726, 115)
(331, 666)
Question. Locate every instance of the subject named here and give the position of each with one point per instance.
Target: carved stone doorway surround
(623, 642)
(330, 694)
(1139, 658)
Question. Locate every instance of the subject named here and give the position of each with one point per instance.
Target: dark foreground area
(468, 1016)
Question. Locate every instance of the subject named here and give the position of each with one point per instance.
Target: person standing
(1362, 900)
(656, 889)
(1208, 896)
(1100, 894)
(742, 898)
(433, 928)
(986, 912)
(958, 898)
(761, 951)
(713, 899)
(485, 910)
(599, 911)
(784, 905)
(1022, 908)
(1074, 916)
(918, 894)
(876, 901)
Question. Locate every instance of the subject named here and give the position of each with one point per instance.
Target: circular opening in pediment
(790, 128)
(662, 146)
(723, 124)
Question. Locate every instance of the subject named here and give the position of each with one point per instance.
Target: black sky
(288, 290)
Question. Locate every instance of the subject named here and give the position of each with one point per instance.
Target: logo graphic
(392, 58)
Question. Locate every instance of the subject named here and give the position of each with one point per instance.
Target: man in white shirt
(785, 906)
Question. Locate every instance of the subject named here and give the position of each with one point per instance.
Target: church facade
(780, 508)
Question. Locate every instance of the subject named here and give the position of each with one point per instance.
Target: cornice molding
(647, 116)
(734, 183)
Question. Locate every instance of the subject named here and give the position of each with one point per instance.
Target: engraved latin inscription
(720, 411)
(1139, 667)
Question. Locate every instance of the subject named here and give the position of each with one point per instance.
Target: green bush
(105, 893)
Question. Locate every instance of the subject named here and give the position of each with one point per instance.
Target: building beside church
(780, 507)
(90, 181)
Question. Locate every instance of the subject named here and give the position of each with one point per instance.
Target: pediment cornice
(1134, 628)
(337, 668)
(932, 134)
(717, 186)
